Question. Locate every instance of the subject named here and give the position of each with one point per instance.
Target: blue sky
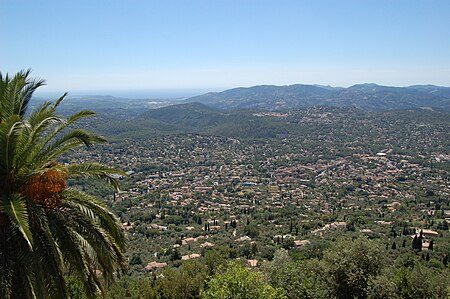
(99, 45)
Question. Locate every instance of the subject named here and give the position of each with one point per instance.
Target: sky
(142, 46)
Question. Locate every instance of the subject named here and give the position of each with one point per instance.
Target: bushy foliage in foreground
(235, 281)
(349, 269)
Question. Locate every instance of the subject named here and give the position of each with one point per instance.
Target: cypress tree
(394, 246)
(415, 243)
(445, 260)
(419, 243)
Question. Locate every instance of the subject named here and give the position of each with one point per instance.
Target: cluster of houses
(221, 179)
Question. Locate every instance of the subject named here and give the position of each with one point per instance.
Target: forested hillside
(365, 96)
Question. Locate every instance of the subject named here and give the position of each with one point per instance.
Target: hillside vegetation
(364, 96)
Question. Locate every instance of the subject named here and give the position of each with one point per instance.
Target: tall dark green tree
(47, 229)
(348, 266)
(431, 245)
(417, 243)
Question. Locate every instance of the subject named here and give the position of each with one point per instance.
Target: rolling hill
(367, 96)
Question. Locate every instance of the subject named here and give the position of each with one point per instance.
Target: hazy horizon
(103, 45)
(132, 94)
(170, 93)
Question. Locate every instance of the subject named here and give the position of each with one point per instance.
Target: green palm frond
(75, 256)
(51, 146)
(16, 93)
(106, 250)
(70, 140)
(106, 218)
(96, 170)
(47, 257)
(73, 118)
(29, 141)
(10, 130)
(79, 115)
(15, 208)
(39, 113)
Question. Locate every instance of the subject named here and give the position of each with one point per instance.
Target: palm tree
(49, 230)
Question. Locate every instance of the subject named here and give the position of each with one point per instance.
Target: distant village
(185, 194)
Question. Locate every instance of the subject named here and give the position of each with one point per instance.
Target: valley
(246, 184)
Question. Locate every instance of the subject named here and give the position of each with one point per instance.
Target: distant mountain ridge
(368, 96)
